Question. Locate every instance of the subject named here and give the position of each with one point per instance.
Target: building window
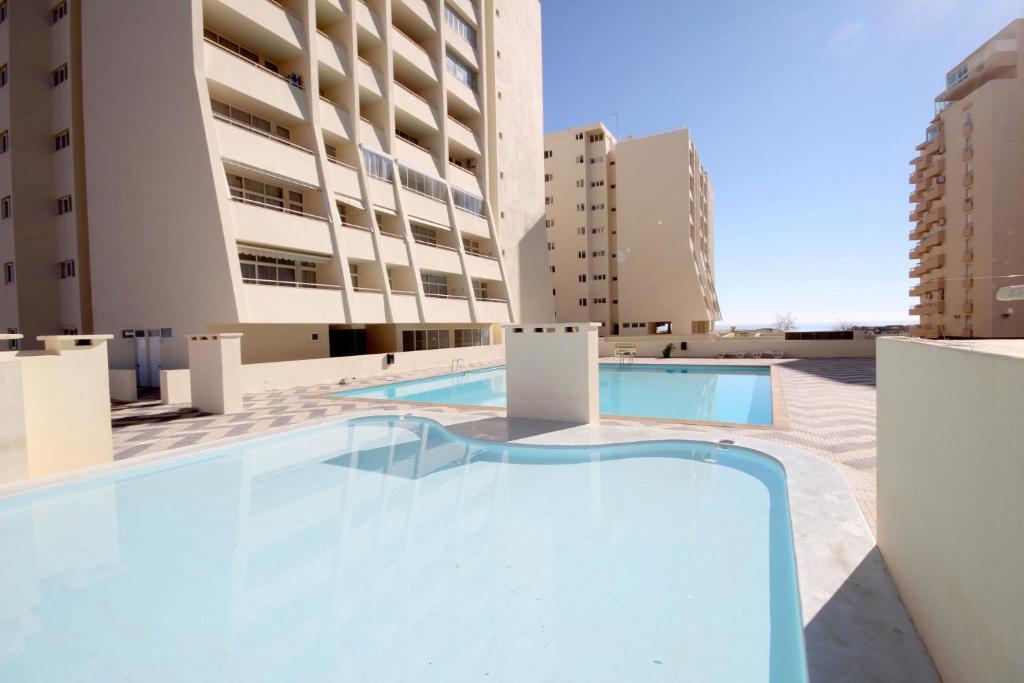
(423, 340)
(3, 11)
(480, 289)
(422, 183)
(583, 302)
(548, 154)
(549, 222)
(468, 202)
(597, 137)
(581, 254)
(12, 344)
(379, 166)
(548, 177)
(5, 142)
(59, 75)
(9, 273)
(551, 246)
(59, 11)
(257, 192)
(552, 269)
(353, 273)
(424, 235)
(61, 140)
(64, 205)
(472, 337)
(67, 269)
(250, 122)
(5, 207)
(582, 278)
(581, 231)
(956, 75)
(3, 75)
(284, 271)
(434, 285)
(579, 159)
(460, 25)
(548, 201)
(462, 72)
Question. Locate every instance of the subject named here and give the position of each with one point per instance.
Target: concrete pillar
(54, 406)
(215, 372)
(552, 371)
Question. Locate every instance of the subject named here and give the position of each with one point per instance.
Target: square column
(215, 372)
(552, 371)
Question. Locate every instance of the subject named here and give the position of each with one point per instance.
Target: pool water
(680, 392)
(388, 549)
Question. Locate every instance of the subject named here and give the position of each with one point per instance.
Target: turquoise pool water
(387, 549)
(680, 392)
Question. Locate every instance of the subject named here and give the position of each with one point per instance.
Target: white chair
(755, 354)
(777, 354)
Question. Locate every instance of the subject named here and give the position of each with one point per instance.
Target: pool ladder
(458, 365)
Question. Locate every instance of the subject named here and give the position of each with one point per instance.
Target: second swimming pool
(681, 392)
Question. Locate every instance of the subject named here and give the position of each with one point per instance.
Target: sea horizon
(810, 326)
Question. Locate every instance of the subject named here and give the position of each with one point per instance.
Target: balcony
(371, 84)
(416, 157)
(334, 119)
(368, 22)
(931, 308)
(969, 230)
(357, 241)
(483, 267)
(968, 152)
(995, 61)
(404, 308)
(468, 9)
(393, 250)
(472, 224)
(464, 179)
(410, 55)
(414, 13)
(425, 208)
(462, 94)
(345, 180)
(267, 23)
(412, 105)
(463, 137)
(368, 305)
(928, 265)
(968, 282)
(437, 258)
(291, 305)
(269, 226)
(450, 309)
(918, 231)
(492, 311)
(969, 256)
(937, 167)
(257, 149)
(372, 136)
(462, 47)
(968, 205)
(236, 74)
(968, 307)
(331, 55)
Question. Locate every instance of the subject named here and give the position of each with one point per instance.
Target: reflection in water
(387, 549)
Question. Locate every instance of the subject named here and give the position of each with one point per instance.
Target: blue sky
(806, 114)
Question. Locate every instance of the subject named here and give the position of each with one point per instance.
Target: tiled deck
(830, 405)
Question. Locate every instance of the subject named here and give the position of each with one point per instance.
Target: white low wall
(552, 371)
(863, 347)
(951, 499)
(123, 385)
(257, 377)
(175, 387)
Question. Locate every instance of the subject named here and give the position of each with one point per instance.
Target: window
(579, 159)
(599, 277)
(579, 136)
(552, 269)
(548, 177)
(460, 25)
(581, 207)
(598, 253)
(597, 183)
(462, 72)
(12, 344)
(473, 337)
(379, 166)
(551, 246)
(480, 289)
(582, 278)
(580, 183)
(64, 205)
(3, 75)
(423, 340)
(597, 137)
(67, 269)
(331, 151)
(285, 271)
(422, 183)
(472, 247)
(548, 154)
(434, 285)
(424, 235)
(583, 302)
(548, 201)
(5, 142)
(600, 301)
(956, 75)
(257, 192)
(3, 11)
(250, 122)
(9, 273)
(353, 272)
(61, 140)
(5, 207)
(59, 75)
(597, 207)
(549, 222)
(468, 202)
(581, 254)
(581, 231)
(59, 11)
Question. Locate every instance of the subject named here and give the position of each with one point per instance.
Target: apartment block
(968, 205)
(329, 177)
(630, 232)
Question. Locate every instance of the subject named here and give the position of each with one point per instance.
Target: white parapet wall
(175, 387)
(951, 498)
(123, 385)
(54, 407)
(552, 371)
(215, 372)
(706, 346)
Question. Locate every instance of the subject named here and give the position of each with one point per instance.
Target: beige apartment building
(329, 177)
(968, 212)
(630, 232)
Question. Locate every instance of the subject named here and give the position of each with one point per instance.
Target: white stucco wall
(951, 499)
(552, 371)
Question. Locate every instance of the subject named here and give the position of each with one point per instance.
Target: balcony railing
(289, 81)
(287, 283)
(426, 242)
(272, 207)
(492, 299)
(445, 296)
(261, 133)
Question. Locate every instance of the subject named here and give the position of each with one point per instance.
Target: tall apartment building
(329, 177)
(968, 201)
(630, 230)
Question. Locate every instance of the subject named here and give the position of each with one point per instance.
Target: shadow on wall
(534, 276)
(846, 370)
(863, 633)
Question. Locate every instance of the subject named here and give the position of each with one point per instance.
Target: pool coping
(832, 542)
(780, 411)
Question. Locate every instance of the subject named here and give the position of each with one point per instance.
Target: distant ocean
(809, 327)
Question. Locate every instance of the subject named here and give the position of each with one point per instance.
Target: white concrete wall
(266, 376)
(175, 387)
(710, 348)
(215, 372)
(552, 371)
(123, 385)
(54, 408)
(951, 500)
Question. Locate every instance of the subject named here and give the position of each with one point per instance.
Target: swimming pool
(678, 392)
(389, 549)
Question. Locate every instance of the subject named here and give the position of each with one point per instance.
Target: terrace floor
(829, 406)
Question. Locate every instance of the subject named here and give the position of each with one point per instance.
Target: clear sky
(806, 114)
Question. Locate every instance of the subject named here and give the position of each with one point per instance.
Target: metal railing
(287, 283)
(272, 207)
(252, 63)
(261, 133)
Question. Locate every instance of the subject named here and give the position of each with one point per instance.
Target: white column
(215, 372)
(552, 371)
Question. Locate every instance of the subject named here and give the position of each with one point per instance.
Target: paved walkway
(830, 405)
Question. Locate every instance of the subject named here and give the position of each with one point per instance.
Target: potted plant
(667, 351)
